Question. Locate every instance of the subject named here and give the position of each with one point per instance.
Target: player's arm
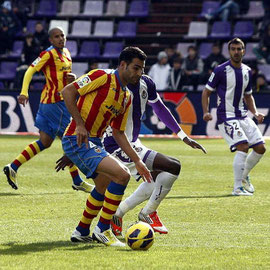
(121, 139)
(168, 119)
(23, 97)
(205, 104)
(70, 94)
(249, 100)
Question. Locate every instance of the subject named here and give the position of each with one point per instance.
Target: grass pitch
(208, 228)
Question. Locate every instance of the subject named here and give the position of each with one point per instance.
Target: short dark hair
(236, 41)
(129, 53)
(51, 31)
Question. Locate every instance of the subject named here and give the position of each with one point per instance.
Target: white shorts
(147, 155)
(239, 131)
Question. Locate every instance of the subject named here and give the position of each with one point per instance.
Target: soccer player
(232, 81)
(52, 117)
(164, 169)
(103, 101)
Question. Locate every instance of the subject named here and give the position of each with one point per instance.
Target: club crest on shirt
(144, 94)
(36, 61)
(83, 81)
(239, 133)
(97, 150)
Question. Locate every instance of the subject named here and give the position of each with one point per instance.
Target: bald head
(52, 31)
(57, 37)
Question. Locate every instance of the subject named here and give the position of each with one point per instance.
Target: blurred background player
(52, 117)
(103, 101)
(232, 81)
(164, 169)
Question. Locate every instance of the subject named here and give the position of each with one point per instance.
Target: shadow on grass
(15, 248)
(2, 194)
(199, 197)
(9, 194)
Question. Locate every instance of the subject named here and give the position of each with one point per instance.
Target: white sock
(238, 168)
(163, 185)
(252, 159)
(142, 193)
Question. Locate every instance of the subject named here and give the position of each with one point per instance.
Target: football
(140, 236)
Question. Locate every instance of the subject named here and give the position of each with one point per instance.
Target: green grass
(208, 228)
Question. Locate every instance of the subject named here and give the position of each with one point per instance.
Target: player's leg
(167, 170)
(28, 152)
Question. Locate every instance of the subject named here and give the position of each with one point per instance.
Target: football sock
(238, 168)
(163, 185)
(93, 205)
(75, 175)
(142, 193)
(113, 197)
(29, 151)
(252, 159)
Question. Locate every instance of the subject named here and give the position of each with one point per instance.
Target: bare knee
(122, 177)
(243, 147)
(174, 166)
(260, 149)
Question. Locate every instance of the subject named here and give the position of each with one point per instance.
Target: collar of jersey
(52, 47)
(116, 72)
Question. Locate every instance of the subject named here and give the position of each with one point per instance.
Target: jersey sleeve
(41, 61)
(248, 90)
(120, 121)
(90, 82)
(213, 80)
(151, 89)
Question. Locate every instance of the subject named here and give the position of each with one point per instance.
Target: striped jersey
(103, 101)
(231, 84)
(141, 93)
(55, 64)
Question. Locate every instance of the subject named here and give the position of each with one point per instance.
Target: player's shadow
(2, 194)
(199, 197)
(15, 248)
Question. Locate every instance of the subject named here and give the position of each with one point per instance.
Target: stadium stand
(80, 29)
(61, 23)
(112, 49)
(69, 8)
(126, 29)
(73, 47)
(7, 70)
(197, 30)
(47, 8)
(221, 30)
(116, 8)
(243, 29)
(208, 7)
(93, 8)
(17, 49)
(205, 49)
(89, 49)
(103, 29)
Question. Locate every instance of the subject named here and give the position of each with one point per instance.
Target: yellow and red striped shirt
(55, 64)
(102, 102)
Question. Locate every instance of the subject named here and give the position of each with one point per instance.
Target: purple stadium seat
(103, 29)
(255, 10)
(93, 8)
(79, 68)
(89, 49)
(116, 8)
(17, 49)
(197, 30)
(112, 49)
(183, 47)
(249, 55)
(81, 29)
(8, 70)
(221, 30)
(138, 8)
(70, 8)
(64, 24)
(126, 29)
(208, 7)
(243, 29)
(30, 26)
(72, 47)
(47, 8)
(265, 70)
(205, 49)
(2, 86)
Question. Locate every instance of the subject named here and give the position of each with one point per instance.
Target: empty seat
(70, 8)
(112, 49)
(81, 29)
(8, 70)
(89, 49)
(138, 8)
(221, 30)
(183, 47)
(208, 7)
(205, 49)
(265, 70)
(103, 29)
(30, 26)
(126, 29)
(59, 23)
(255, 10)
(197, 30)
(17, 49)
(249, 54)
(72, 47)
(116, 8)
(93, 8)
(243, 29)
(47, 8)
(79, 68)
